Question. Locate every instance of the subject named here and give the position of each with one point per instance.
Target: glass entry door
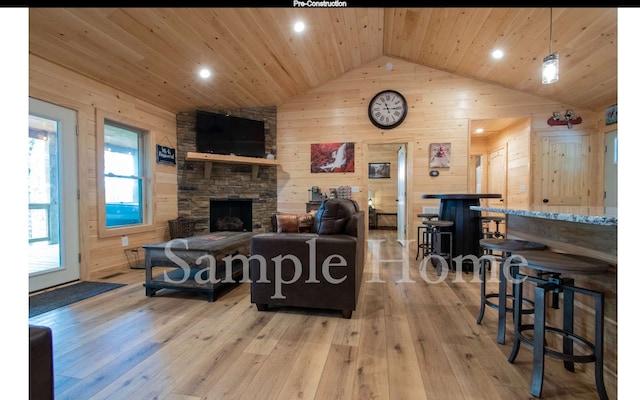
(53, 196)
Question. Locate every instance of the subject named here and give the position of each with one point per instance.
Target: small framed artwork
(379, 170)
(611, 115)
(440, 155)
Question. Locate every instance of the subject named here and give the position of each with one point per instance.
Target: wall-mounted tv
(222, 134)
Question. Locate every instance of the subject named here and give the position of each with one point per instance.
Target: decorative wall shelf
(220, 158)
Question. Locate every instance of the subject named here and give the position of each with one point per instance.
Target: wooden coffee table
(191, 260)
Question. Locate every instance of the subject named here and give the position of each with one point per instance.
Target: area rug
(50, 300)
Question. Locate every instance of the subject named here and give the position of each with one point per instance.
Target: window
(123, 190)
(123, 175)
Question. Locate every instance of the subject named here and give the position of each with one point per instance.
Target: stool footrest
(585, 358)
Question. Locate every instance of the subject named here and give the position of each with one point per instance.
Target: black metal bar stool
(436, 252)
(505, 247)
(423, 238)
(553, 265)
(486, 224)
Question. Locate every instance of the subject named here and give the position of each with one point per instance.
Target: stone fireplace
(229, 182)
(230, 215)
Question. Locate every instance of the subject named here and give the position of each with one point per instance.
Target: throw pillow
(307, 221)
(287, 223)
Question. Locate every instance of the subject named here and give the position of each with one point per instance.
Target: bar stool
(423, 238)
(435, 239)
(554, 265)
(486, 224)
(506, 247)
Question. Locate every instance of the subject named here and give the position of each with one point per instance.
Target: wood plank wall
(52, 83)
(441, 105)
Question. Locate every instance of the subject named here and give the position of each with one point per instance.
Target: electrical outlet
(523, 188)
(125, 241)
(355, 189)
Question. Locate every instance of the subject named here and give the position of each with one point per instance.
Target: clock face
(387, 109)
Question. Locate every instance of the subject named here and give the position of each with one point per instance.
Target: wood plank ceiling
(258, 60)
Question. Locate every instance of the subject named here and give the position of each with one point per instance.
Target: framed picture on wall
(379, 170)
(332, 157)
(440, 155)
(611, 115)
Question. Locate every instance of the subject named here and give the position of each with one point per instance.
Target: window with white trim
(124, 191)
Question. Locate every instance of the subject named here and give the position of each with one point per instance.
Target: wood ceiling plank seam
(106, 21)
(410, 26)
(466, 30)
(364, 36)
(157, 66)
(208, 21)
(324, 47)
(55, 22)
(224, 77)
(282, 51)
(226, 80)
(343, 61)
(427, 46)
(393, 31)
(368, 42)
(486, 35)
(343, 25)
(272, 71)
(83, 62)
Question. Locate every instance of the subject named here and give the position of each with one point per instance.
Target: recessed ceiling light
(479, 130)
(204, 73)
(497, 54)
(299, 26)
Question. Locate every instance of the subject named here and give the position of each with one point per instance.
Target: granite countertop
(573, 214)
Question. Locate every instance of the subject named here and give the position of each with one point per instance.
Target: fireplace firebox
(230, 215)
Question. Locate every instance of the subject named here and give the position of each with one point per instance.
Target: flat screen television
(222, 134)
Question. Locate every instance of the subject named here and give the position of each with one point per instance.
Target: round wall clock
(387, 109)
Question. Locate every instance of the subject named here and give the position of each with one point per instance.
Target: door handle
(502, 200)
(545, 200)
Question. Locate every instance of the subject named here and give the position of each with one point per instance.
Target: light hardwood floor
(406, 340)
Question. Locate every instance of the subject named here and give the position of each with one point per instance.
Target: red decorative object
(566, 119)
(554, 122)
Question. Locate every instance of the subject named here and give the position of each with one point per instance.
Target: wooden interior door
(565, 170)
(497, 177)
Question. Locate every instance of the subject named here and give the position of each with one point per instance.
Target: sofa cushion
(333, 215)
(286, 223)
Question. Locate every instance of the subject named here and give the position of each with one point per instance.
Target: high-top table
(467, 227)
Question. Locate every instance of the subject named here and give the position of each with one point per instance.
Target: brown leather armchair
(321, 269)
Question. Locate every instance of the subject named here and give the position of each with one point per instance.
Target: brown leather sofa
(332, 281)
(40, 363)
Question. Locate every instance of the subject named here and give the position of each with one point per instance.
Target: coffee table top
(212, 241)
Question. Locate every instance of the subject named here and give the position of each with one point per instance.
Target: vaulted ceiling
(257, 59)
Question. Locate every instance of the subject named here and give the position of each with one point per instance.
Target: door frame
(69, 199)
(408, 184)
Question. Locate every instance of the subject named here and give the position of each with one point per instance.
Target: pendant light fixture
(550, 62)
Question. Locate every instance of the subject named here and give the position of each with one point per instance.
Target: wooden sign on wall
(165, 155)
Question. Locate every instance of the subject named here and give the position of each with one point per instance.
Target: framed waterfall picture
(379, 170)
(332, 157)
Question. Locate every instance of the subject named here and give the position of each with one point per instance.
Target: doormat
(47, 301)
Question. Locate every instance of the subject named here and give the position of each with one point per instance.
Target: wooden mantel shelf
(220, 158)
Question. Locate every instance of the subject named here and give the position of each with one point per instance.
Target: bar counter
(577, 230)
